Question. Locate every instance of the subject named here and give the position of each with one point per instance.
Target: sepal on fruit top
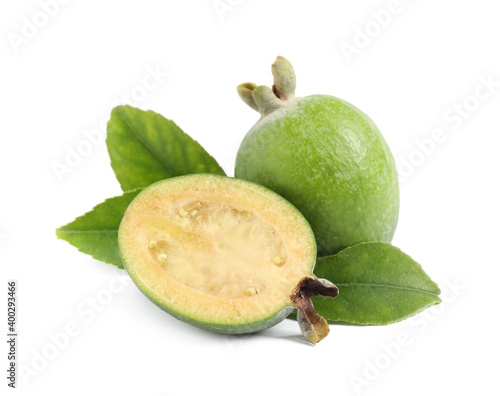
(264, 99)
(284, 79)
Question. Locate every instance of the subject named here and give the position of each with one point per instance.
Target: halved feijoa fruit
(223, 254)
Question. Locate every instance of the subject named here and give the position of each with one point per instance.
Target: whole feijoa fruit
(223, 254)
(326, 157)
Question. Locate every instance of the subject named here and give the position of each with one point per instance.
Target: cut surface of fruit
(220, 253)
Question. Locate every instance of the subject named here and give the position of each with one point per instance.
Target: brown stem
(313, 326)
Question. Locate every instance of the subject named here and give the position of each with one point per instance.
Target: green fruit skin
(253, 327)
(329, 160)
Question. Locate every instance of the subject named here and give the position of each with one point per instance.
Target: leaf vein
(351, 284)
(145, 144)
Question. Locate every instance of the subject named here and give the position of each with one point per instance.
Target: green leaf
(378, 284)
(96, 232)
(145, 147)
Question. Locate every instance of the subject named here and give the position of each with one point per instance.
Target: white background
(60, 80)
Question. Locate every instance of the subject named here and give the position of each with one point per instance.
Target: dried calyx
(264, 99)
(313, 326)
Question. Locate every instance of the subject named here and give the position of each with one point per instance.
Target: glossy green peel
(326, 157)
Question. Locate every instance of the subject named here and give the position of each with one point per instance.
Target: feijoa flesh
(223, 254)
